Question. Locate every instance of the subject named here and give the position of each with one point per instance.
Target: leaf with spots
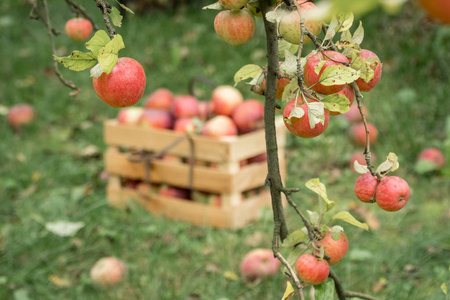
(337, 75)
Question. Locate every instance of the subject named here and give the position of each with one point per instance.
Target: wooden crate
(220, 173)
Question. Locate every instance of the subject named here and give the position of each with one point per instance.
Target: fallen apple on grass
(259, 263)
(108, 271)
(20, 114)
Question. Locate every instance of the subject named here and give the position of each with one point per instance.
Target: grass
(44, 177)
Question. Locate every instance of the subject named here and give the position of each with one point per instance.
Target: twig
(351, 294)
(78, 9)
(337, 285)
(106, 9)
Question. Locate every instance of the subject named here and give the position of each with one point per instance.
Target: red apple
(175, 192)
(331, 58)
(78, 29)
(233, 4)
(108, 271)
(335, 250)
(300, 126)
(184, 106)
(311, 270)
(236, 27)
(161, 99)
(281, 84)
(376, 67)
(185, 124)
(130, 115)
(365, 186)
(249, 116)
(289, 26)
(359, 133)
(122, 87)
(437, 9)
(353, 115)
(204, 110)
(20, 114)
(259, 263)
(156, 118)
(347, 91)
(434, 155)
(258, 158)
(392, 193)
(360, 158)
(219, 126)
(224, 100)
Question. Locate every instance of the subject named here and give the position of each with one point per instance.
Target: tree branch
(106, 9)
(337, 285)
(350, 294)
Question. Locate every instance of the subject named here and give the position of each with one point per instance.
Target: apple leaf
(346, 21)
(96, 71)
(124, 7)
(319, 66)
(336, 102)
(358, 35)
(324, 291)
(316, 113)
(368, 70)
(289, 290)
(389, 165)
(423, 166)
(296, 112)
(116, 17)
(336, 232)
(338, 74)
(284, 45)
(108, 55)
(273, 16)
(361, 169)
(294, 238)
(289, 66)
(444, 288)
(247, 71)
(331, 31)
(78, 61)
(347, 217)
(314, 218)
(320, 189)
(257, 80)
(346, 37)
(290, 90)
(98, 41)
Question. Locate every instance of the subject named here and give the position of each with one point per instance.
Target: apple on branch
(236, 27)
(78, 29)
(312, 270)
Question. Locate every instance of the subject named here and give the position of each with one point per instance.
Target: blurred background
(53, 170)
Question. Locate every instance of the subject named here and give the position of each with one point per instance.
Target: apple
(224, 100)
(290, 23)
(353, 115)
(219, 126)
(108, 271)
(331, 58)
(175, 192)
(185, 124)
(78, 29)
(204, 110)
(184, 106)
(236, 27)
(300, 126)
(122, 87)
(259, 263)
(161, 99)
(233, 4)
(249, 115)
(437, 9)
(258, 158)
(434, 155)
(360, 158)
(347, 91)
(156, 118)
(20, 114)
(375, 66)
(335, 250)
(365, 186)
(392, 193)
(130, 115)
(359, 133)
(311, 270)
(281, 84)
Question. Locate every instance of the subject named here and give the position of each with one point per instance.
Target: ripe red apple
(437, 9)
(156, 118)
(233, 4)
(108, 271)
(360, 158)
(122, 87)
(130, 115)
(20, 114)
(359, 133)
(204, 110)
(175, 192)
(224, 100)
(78, 29)
(281, 84)
(219, 126)
(185, 124)
(300, 126)
(353, 115)
(259, 263)
(311, 270)
(249, 115)
(347, 91)
(184, 106)
(392, 193)
(434, 155)
(365, 186)
(290, 24)
(236, 27)
(258, 158)
(331, 58)
(335, 250)
(161, 99)
(376, 67)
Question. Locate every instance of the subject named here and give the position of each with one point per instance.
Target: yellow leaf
(61, 282)
(289, 290)
(230, 275)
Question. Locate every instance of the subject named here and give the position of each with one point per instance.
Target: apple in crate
(249, 116)
(130, 115)
(219, 126)
(161, 98)
(185, 124)
(259, 263)
(184, 106)
(175, 192)
(156, 118)
(224, 100)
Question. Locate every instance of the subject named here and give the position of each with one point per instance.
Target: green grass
(43, 177)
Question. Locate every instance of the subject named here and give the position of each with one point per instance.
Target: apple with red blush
(78, 29)
(249, 115)
(219, 126)
(185, 125)
(375, 66)
(160, 99)
(365, 186)
(130, 115)
(358, 132)
(236, 27)
(432, 155)
(311, 270)
(108, 271)
(20, 114)
(259, 263)
(184, 106)
(225, 99)
(392, 193)
(156, 118)
(334, 249)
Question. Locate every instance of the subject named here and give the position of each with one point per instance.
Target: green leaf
(358, 35)
(368, 72)
(289, 290)
(335, 232)
(116, 17)
(314, 218)
(423, 166)
(331, 31)
(444, 288)
(319, 66)
(319, 188)
(98, 41)
(78, 61)
(346, 21)
(324, 291)
(316, 113)
(108, 55)
(361, 169)
(346, 36)
(257, 80)
(124, 7)
(294, 238)
(336, 102)
(289, 66)
(296, 112)
(247, 71)
(389, 165)
(338, 74)
(347, 217)
(290, 90)
(284, 45)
